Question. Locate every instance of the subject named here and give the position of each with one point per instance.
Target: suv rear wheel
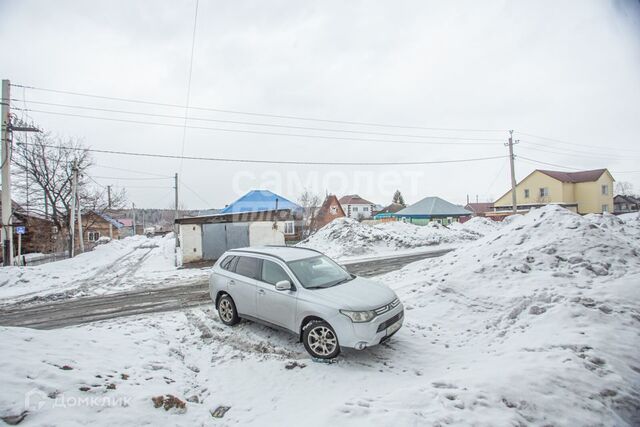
(227, 310)
(320, 340)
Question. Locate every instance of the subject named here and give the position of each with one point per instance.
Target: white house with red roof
(356, 207)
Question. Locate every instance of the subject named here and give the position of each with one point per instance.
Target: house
(625, 204)
(40, 234)
(582, 192)
(330, 210)
(356, 207)
(96, 225)
(432, 209)
(260, 217)
(480, 208)
(387, 212)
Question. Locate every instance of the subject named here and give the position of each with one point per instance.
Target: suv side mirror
(283, 285)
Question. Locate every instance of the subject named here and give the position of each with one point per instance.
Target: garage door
(218, 238)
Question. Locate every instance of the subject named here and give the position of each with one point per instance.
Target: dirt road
(186, 294)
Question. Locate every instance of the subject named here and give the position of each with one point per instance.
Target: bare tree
(43, 171)
(310, 203)
(624, 188)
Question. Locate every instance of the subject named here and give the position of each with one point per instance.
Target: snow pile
(537, 321)
(344, 237)
(477, 224)
(133, 262)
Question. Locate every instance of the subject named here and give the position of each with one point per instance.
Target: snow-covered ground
(536, 323)
(132, 263)
(346, 238)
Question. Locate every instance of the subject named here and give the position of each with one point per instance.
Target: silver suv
(304, 292)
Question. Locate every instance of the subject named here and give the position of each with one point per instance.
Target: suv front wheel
(320, 340)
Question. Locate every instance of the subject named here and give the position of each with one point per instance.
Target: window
(289, 227)
(605, 190)
(93, 236)
(526, 193)
(273, 273)
(249, 267)
(355, 209)
(365, 209)
(318, 272)
(229, 263)
(544, 192)
(334, 210)
(605, 208)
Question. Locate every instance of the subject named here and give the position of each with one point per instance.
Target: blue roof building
(432, 209)
(260, 201)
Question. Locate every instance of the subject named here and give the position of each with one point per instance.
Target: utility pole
(133, 214)
(175, 213)
(109, 209)
(7, 228)
(513, 172)
(80, 233)
(72, 216)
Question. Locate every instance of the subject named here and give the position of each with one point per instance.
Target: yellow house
(582, 192)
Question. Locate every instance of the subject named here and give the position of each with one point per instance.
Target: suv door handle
(261, 291)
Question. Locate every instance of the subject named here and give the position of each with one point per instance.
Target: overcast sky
(566, 70)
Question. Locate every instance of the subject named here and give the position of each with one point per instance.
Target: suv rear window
(229, 263)
(249, 267)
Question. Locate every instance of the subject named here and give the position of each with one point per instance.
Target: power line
(278, 116)
(131, 170)
(130, 178)
(186, 110)
(203, 119)
(336, 138)
(575, 153)
(567, 142)
(546, 163)
(279, 162)
(195, 193)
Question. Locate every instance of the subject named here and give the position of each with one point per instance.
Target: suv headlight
(359, 316)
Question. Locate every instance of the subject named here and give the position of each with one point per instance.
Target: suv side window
(249, 267)
(273, 273)
(229, 263)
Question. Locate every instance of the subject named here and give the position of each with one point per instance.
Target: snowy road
(190, 292)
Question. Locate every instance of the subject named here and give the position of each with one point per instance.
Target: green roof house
(432, 209)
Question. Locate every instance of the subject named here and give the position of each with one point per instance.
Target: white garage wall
(262, 233)
(191, 242)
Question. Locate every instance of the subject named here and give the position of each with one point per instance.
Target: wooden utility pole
(72, 216)
(133, 214)
(80, 232)
(514, 202)
(175, 213)
(109, 210)
(5, 140)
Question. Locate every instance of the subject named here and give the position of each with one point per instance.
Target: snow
(136, 262)
(346, 238)
(535, 323)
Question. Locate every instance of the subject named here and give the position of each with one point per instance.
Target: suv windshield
(318, 272)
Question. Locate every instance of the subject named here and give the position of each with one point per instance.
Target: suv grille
(381, 310)
(384, 325)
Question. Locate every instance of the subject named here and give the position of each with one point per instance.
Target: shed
(206, 238)
(432, 209)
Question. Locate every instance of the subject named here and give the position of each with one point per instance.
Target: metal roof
(259, 201)
(580, 176)
(433, 206)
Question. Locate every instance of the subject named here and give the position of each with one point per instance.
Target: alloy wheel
(226, 310)
(322, 340)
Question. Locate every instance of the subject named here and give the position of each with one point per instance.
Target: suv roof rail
(294, 247)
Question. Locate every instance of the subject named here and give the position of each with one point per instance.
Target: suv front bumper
(367, 334)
